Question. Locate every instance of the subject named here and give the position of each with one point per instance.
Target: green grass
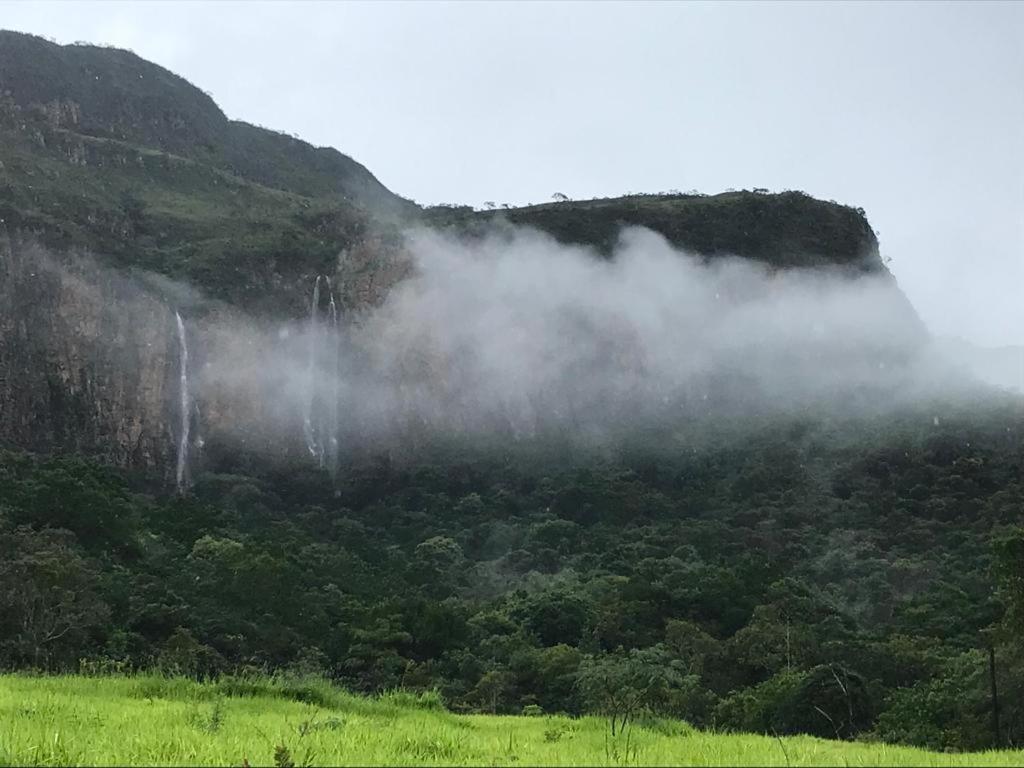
(173, 721)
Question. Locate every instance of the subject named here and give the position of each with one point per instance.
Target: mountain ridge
(105, 151)
(113, 93)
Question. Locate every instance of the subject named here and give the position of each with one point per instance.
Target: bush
(827, 701)
(183, 655)
(429, 700)
(947, 712)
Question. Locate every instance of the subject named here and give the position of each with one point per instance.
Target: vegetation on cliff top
(789, 229)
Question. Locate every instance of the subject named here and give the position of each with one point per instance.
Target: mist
(514, 337)
(493, 341)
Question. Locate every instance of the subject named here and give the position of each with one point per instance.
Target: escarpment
(126, 196)
(87, 362)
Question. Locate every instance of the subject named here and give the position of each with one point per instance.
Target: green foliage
(427, 700)
(1009, 566)
(622, 685)
(829, 701)
(208, 719)
(182, 654)
(839, 606)
(948, 711)
(790, 229)
(50, 598)
(753, 709)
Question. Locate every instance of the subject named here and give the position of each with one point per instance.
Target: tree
(621, 685)
(948, 711)
(548, 675)
(437, 563)
(491, 689)
(49, 597)
(182, 654)
(554, 616)
(1009, 567)
(690, 644)
(830, 701)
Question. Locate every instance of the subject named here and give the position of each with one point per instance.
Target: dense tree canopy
(858, 596)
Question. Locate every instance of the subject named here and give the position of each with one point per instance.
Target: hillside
(104, 151)
(112, 94)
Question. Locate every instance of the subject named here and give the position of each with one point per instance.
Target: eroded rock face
(90, 363)
(87, 360)
(368, 271)
(90, 359)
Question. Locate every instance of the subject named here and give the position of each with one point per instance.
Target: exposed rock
(86, 362)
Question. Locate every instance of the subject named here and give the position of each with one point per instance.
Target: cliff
(87, 361)
(103, 151)
(113, 170)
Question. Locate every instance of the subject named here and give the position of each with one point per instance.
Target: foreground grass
(147, 720)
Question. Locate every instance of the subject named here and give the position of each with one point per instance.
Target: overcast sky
(914, 111)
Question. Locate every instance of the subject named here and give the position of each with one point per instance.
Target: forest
(845, 580)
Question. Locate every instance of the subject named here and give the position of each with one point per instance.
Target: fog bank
(513, 335)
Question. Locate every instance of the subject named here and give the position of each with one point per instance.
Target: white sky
(914, 111)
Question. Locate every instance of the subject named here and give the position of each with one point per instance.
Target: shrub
(429, 700)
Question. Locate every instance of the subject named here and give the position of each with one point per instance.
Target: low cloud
(515, 336)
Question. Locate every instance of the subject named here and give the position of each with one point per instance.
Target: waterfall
(332, 435)
(320, 419)
(311, 437)
(186, 414)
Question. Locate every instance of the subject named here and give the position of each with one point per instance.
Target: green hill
(104, 151)
(108, 93)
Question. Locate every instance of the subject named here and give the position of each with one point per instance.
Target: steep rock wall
(90, 362)
(87, 361)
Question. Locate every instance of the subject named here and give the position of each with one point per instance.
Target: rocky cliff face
(91, 362)
(87, 362)
(105, 152)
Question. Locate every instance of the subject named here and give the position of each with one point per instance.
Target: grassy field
(146, 720)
